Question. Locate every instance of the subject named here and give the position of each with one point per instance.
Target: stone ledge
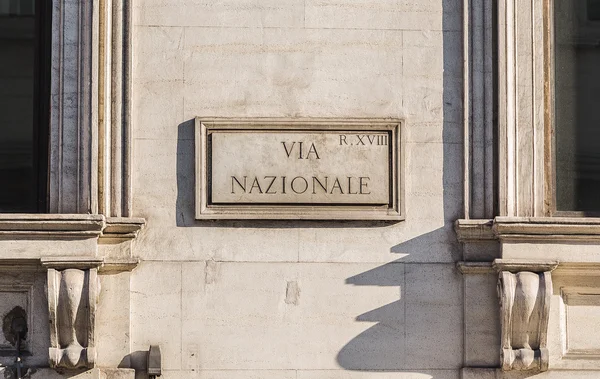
(475, 268)
(123, 228)
(26, 238)
(48, 373)
(519, 265)
(51, 225)
(515, 265)
(529, 229)
(104, 266)
(68, 226)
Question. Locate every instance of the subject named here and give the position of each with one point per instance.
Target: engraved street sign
(282, 169)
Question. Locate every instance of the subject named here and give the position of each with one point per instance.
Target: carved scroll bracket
(525, 290)
(73, 289)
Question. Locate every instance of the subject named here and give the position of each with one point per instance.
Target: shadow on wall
(418, 332)
(422, 331)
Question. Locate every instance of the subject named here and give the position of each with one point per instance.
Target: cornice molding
(529, 229)
(474, 230)
(60, 226)
(521, 265)
(475, 268)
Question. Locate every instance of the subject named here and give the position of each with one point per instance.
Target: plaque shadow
(186, 202)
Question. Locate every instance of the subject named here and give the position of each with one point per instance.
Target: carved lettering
(350, 187)
(255, 184)
(337, 185)
(305, 185)
(270, 184)
(323, 187)
(312, 150)
(234, 179)
(363, 184)
(288, 152)
(341, 167)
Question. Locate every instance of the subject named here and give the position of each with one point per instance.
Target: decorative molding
(63, 263)
(90, 128)
(533, 229)
(578, 269)
(22, 287)
(114, 132)
(525, 290)
(474, 230)
(116, 266)
(72, 298)
(72, 111)
(56, 226)
(123, 228)
(518, 265)
(206, 209)
(578, 327)
(478, 132)
(521, 108)
(475, 268)
(51, 225)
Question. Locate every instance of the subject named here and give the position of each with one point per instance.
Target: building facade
(125, 254)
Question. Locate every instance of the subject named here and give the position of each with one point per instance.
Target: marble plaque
(304, 169)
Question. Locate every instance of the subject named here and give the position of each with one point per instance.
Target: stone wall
(292, 299)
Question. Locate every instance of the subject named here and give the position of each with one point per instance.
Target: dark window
(577, 105)
(593, 10)
(24, 104)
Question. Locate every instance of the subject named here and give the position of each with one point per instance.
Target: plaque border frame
(390, 212)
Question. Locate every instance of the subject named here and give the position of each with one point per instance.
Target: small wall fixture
(154, 362)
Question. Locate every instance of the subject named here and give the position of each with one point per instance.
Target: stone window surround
(90, 130)
(89, 227)
(509, 226)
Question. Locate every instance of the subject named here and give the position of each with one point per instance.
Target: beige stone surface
(293, 72)
(327, 167)
(33, 248)
(306, 300)
(113, 319)
(381, 14)
(230, 374)
(156, 310)
(310, 374)
(478, 373)
(582, 318)
(546, 250)
(290, 316)
(481, 328)
(269, 299)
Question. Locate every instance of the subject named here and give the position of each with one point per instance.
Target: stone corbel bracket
(525, 290)
(73, 289)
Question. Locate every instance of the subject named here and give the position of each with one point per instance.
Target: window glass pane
(577, 105)
(593, 10)
(18, 189)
